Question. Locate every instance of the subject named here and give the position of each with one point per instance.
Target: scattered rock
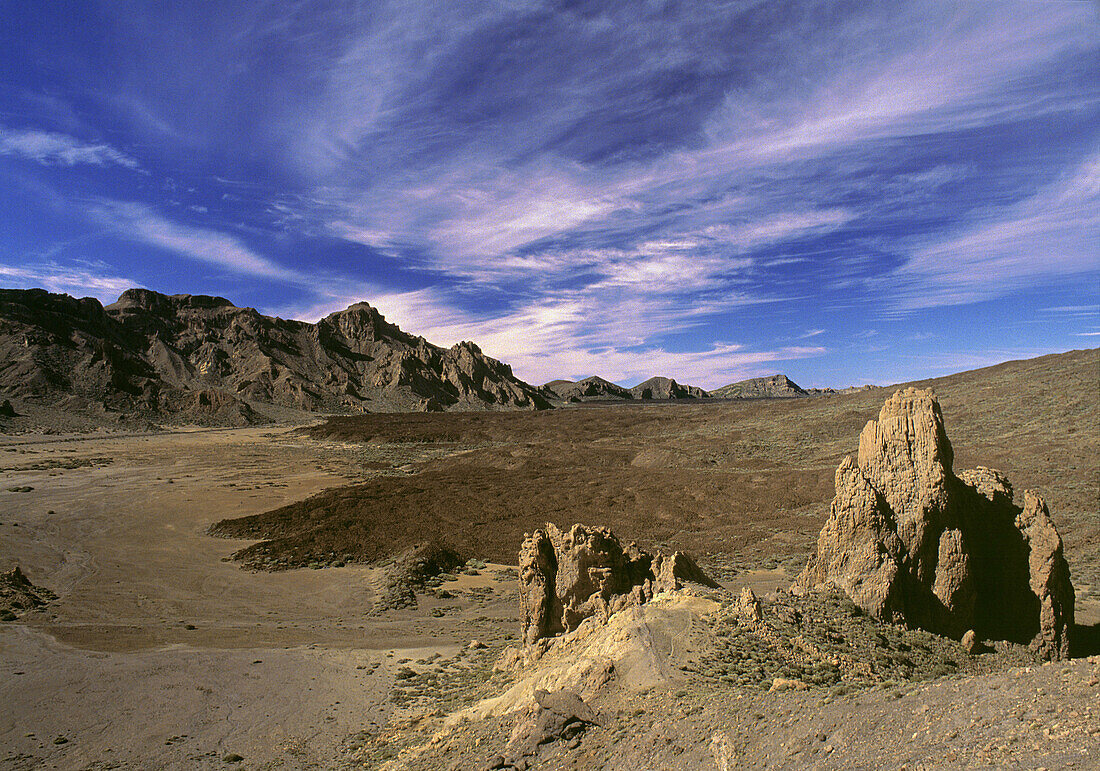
(18, 595)
(566, 577)
(787, 684)
(910, 542)
(557, 715)
(414, 569)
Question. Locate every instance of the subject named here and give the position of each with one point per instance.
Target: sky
(845, 193)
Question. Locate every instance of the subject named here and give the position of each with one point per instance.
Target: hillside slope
(773, 387)
(205, 358)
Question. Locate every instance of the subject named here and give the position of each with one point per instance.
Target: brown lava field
(741, 484)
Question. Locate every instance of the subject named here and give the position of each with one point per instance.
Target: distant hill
(595, 388)
(204, 359)
(666, 388)
(773, 387)
(590, 389)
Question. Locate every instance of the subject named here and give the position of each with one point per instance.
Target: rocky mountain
(569, 575)
(206, 359)
(912, 542)
(591, 388)
(666, 388)
(774, 387)
(596, 389)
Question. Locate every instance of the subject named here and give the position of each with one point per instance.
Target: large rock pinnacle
(912, 543)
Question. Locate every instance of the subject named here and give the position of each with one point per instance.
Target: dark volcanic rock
(204, 358)
(566, 577)
(6, 410)
(666, 388)
(18, 595)
(774, 387)
(911, 542)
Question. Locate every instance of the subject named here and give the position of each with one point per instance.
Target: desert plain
(225, 598)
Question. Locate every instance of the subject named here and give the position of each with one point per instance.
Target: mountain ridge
(776, 386)
(204, 358)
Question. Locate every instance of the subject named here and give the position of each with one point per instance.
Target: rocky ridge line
(204, 358)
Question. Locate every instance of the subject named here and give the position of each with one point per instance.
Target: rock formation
(204, 358)
(592, 388)
(911, 542)
(773, 387)
(566, 577)
(6, 410)
(597, 389)
(18, 595)
(659, 388)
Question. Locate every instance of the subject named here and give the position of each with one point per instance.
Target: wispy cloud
(1053, 233)
(80, 279)
(54, 149)
(590, 187)
(140, 223)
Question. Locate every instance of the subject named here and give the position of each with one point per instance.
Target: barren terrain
(161, 652)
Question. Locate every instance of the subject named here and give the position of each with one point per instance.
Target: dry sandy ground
(159, 654)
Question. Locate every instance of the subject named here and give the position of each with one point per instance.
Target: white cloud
(1051, 234)
(140, 223)
(53, 149)
(78, 280)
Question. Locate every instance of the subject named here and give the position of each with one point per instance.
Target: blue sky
(843, 192)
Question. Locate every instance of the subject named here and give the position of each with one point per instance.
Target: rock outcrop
(205, 359)
(18, 595)
(664, 388)
(910, 542)
(773, 387)
(592, 388)
(566, 577)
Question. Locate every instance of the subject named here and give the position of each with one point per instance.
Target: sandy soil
(160, 654)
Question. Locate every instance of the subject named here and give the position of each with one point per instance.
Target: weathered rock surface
(592, 388)
(566, 577)
(205, 358)
(658, 388)
(555, 715)
(595, 388)
(18, 595)
(773, 387)
(911, 542)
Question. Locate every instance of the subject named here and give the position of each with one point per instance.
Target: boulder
(18, 595)
(910, 542)
(6, 410)
(568, 576)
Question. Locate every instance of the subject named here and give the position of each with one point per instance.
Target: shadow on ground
(1086, 640)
